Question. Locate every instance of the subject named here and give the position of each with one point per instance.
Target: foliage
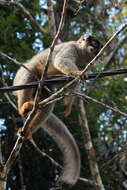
(20, 39)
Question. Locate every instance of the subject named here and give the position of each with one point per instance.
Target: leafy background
(21, 39)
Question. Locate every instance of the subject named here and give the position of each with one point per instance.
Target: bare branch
(112, 54)
(56, 38)
(13, 155)
(103, 48)
(5, 94)
(79, 8)
(45, 155)
(89, 146)
(9, 58)
(17, 63)
(116, 110)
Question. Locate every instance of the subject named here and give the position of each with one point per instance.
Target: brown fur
(67, 58)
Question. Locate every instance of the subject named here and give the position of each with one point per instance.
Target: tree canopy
(26, 27)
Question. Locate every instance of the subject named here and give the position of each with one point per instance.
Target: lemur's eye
(94, 43)
(84, 39)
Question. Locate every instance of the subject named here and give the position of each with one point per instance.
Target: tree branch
(103, 48)
(89, 146)
(17, 63)
(116, 110)
(112, 54)
(5, 94)
(45, 155)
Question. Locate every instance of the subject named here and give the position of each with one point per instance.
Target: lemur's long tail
(65, 141)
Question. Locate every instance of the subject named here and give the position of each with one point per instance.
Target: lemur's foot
(78, 73)
(26, 108)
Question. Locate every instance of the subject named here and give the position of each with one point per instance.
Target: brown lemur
(68, 58)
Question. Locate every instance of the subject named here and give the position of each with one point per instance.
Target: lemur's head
(90, 45)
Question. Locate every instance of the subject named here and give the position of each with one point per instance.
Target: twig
(116, 110)
(13, 155)
(55, 100)
(79, 8)
(26, 12)
(45, 155)
(103, 48)
(18, 63)
(91, 182)
(5, 94)
(112, 54)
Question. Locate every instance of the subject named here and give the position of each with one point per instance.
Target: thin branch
(112, 54)
(103, 48)
(79, 8)
(13, 155)
(5, 94)
(26, 12)
(10, 101)
(18, 63)
(116, 110)
(55, 100)
(45, 155)
(91, 182)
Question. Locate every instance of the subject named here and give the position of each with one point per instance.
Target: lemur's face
(92, 44)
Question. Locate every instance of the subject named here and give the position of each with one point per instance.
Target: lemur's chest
(50, 72)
